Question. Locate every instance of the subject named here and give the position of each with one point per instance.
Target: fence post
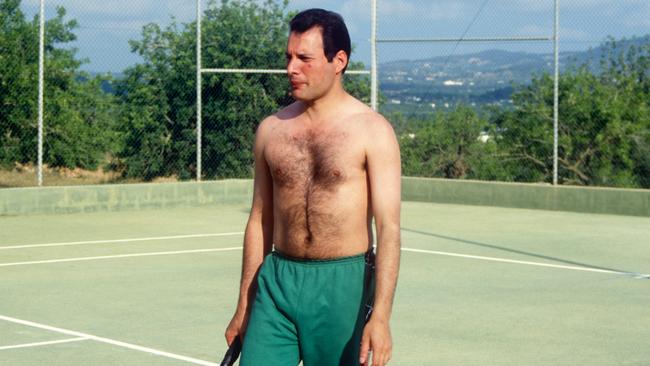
(556, 31)
(41, 87)
(373, 56)
(199, 103)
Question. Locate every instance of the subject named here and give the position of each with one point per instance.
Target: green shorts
(309, 310)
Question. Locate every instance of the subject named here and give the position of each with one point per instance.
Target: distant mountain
(479, 78)
(476, 78)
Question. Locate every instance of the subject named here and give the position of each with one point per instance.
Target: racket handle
(233, 353)
(368, 313)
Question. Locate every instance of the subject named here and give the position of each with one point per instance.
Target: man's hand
(376, 339)
(237, 327)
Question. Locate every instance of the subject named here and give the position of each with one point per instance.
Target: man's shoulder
(288, 113)
(359, 111)
(374, 126)
(370, 120)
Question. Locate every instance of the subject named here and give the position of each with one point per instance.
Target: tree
(17, 95)
(77, 123)
(603, 123)
(628, 66)
(455, 144)
(158, 96)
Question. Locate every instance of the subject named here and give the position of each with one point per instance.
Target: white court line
(109, 341)
(449, 254)
(119, 256)
(574, 268)
(118, 240)
(26, 345)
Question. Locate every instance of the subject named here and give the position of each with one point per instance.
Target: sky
(105, 26)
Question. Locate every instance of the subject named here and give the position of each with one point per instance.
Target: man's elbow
(389, 231)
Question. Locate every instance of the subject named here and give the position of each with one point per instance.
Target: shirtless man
(324, 166)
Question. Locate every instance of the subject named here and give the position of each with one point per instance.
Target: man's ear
(340, 61)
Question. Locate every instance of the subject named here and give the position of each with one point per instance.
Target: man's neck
(322, 108)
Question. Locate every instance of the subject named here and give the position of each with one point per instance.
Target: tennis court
(478, 286)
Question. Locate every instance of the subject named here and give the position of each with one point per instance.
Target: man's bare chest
(310, 160)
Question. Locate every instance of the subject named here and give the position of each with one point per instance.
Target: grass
(26, 176)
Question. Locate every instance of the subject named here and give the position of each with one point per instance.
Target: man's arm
(384, 172)
(258, 237)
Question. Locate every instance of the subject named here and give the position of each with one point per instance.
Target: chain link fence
(468, 86)
(91, 69)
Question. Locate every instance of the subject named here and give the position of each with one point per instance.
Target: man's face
(310, 74)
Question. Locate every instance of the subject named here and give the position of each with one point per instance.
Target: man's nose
(292, 66)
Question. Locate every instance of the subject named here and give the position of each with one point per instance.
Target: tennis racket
(233, 353)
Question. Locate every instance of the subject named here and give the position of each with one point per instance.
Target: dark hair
(332, 26)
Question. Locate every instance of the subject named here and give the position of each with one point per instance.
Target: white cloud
(449, 10)
(353, 10)
(119, 28)
(120, 18)
(439, 10)
(603, 8)
(109, 7)
(154, 9)
(537, 5)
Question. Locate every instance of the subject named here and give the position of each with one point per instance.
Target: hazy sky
(107, 25)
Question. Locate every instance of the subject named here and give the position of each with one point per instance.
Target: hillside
(479, 78)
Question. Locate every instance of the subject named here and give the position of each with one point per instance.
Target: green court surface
(478, 286)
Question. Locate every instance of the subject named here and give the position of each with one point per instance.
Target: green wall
(523, 195)
(47, 200)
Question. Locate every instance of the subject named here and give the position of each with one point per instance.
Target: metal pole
(466, 40)
(373, 55)
(41, 69)
(198, 91)
(268, 71)
(556, 32)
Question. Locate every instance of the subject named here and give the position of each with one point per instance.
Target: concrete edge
(93, 198)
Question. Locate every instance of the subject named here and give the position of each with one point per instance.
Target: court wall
(73, 199)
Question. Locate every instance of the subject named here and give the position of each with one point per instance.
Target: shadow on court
(529, 254)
